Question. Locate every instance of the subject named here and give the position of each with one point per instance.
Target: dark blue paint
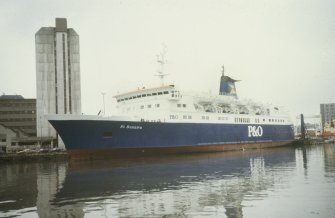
(89, 134)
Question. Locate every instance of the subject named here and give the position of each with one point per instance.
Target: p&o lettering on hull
(255, 131)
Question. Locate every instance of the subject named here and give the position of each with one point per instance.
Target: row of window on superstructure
(276, 120)
(247, 120)
(271, 120)
(236, 119)
(181, 105)
(149, 106)
(242, 120)
(189, 117)
(143, 95)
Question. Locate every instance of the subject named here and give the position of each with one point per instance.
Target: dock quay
(33, 156)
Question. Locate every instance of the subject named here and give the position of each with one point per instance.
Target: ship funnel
(227, 85)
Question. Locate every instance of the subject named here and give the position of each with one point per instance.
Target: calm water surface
(281, 182)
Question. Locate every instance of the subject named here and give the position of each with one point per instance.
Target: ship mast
(161, 62)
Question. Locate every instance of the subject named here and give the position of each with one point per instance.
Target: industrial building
(327, 112)
(57, 74)
(18, 123)
(18, 114)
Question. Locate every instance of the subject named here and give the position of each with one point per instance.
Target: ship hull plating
(98, 138)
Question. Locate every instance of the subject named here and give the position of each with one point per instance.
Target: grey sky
(282, 50)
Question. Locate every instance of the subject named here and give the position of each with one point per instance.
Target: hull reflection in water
(213, 184)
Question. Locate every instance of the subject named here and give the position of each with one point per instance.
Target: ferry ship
(166, 120)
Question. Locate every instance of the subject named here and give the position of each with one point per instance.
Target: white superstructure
(168, 104)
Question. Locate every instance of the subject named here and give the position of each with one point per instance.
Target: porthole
(108, 134)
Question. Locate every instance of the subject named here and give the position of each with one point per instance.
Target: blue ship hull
(81, 136)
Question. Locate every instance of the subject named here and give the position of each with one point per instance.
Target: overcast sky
(282, 50)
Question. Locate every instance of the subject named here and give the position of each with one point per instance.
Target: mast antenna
(161, 62)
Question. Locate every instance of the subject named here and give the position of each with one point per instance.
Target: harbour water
(279, 182)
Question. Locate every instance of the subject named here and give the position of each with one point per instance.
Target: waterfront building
(18, 114)
(17, 122)
(327, 112)
(57, 74)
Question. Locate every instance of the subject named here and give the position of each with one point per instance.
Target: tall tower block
(57, 74)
